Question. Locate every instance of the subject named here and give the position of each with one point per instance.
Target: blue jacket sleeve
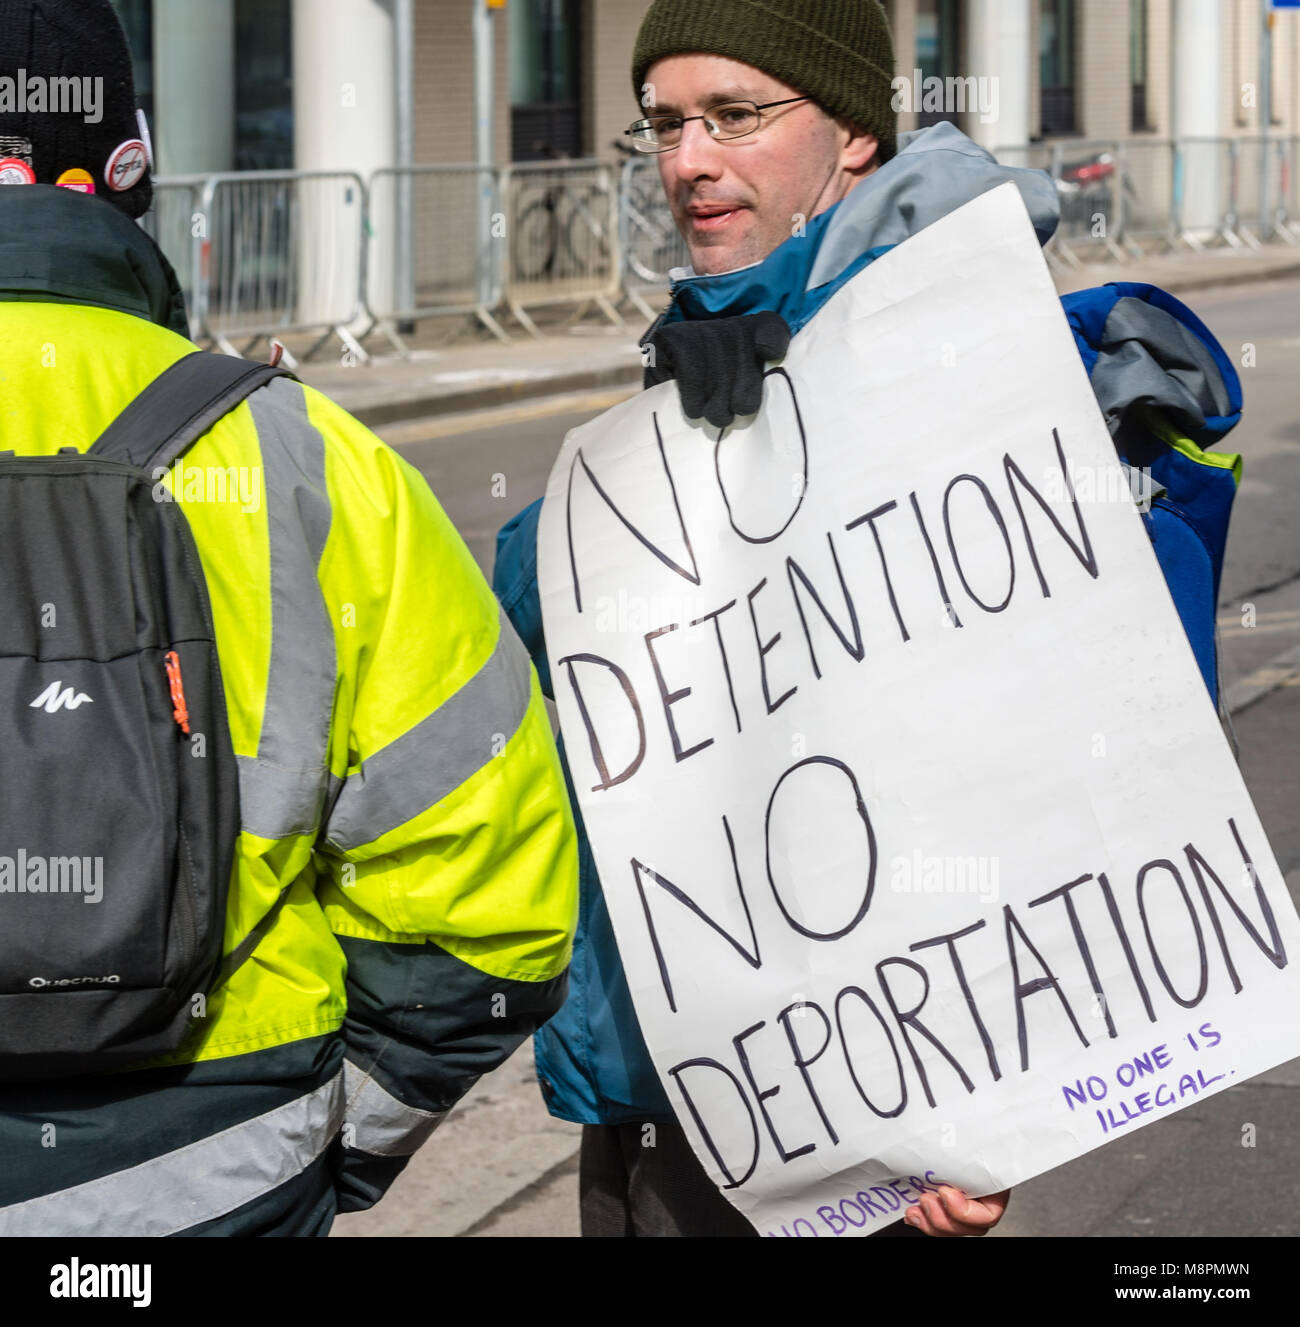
(591, 1058)
(514, 580)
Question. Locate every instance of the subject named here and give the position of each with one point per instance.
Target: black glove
(718, 362)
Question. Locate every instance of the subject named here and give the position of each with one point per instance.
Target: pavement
(477, 373)
(483, 1170)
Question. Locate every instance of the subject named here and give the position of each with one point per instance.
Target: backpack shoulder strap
(179, 407)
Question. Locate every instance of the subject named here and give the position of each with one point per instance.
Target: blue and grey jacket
(1166, 390)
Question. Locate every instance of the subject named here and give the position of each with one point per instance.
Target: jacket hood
(58, 246)
(935, 171)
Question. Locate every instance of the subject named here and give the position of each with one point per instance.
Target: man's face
(734, 202)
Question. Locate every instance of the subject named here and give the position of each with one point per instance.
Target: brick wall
(902, 26)
(612, 34)
(1290, 42)
(444, 83)
(1159, 68)
(1241, 65)
(1101, 73)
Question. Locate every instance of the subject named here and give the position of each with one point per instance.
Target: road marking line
(1283, 671)
(1230, 624)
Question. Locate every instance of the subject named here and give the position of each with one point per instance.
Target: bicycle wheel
(654, 246)
(535, 240)
(586, 233)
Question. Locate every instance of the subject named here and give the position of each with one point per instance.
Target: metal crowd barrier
(263, 254)
(1127, 196)
(1289, 187)
(562, 238)
(1091, 204)
(1238, 192)
(1147, 173)
(179, 229)
(650, 244)
(436, 235)
(1039, 156)
(1259, 208)
(287, 254)
(1205, 187)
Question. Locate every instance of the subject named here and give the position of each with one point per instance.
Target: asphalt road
(1225, 1166)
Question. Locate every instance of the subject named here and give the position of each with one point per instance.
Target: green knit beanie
(838, 52)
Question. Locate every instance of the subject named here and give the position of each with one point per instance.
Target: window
(263, 85)
(263, 91)
(545, 79)
(1056, 66)
(1137, 63)
(137, 22)
(936, 53)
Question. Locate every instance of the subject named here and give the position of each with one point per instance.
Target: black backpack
(119, 793)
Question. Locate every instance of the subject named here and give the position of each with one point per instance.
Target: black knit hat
(838, 52)
(48, 124)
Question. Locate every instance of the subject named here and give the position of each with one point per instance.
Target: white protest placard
(927, 858)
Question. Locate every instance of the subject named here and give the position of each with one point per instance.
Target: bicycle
(562, 231)
(651, 240)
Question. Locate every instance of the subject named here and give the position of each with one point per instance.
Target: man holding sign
(777, 152)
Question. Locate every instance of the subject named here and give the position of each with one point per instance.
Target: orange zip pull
(179, 712)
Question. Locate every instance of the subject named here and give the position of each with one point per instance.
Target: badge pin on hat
(76, 178)
(14, 170)
(126, 165)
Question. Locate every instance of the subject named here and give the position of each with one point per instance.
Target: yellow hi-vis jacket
(396, 768)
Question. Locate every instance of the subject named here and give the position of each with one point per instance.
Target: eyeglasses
(731, 119)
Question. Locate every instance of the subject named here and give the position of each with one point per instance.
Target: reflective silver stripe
(282, 791)
(422, 766)
(376, 1122)
(194, 1184)
(278, 803)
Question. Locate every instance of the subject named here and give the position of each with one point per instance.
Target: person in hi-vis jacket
(398, 779)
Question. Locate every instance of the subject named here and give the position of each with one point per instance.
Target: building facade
(348, 90)
(314, 84)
